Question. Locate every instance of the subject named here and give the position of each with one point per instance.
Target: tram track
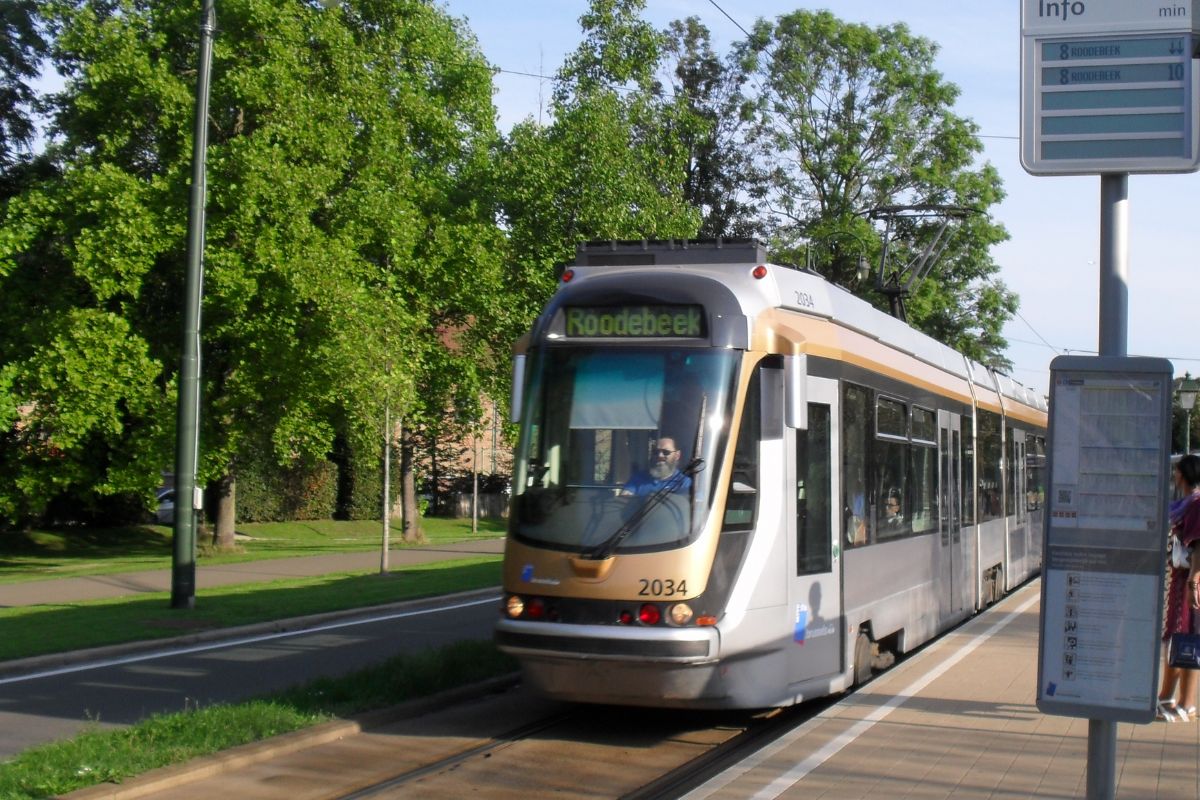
(508, 745)
(692, 774)
(492, 764)
(498, 742)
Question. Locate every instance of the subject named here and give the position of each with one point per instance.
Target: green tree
(609, 165)
(22, 48)
(851, 119)
(345, 143)
(715, 111)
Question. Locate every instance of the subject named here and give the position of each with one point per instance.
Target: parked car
(165, 513)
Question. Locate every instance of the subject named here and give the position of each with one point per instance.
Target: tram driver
(663, 470)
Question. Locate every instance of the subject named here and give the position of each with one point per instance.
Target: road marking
(266, 637)
(797, 773)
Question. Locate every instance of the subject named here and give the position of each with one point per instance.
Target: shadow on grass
(43, 629)
(86, 543)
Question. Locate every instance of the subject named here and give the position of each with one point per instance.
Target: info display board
(1109, 86)
(1104, 557)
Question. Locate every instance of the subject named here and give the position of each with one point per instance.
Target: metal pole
(387, 486)
(1114, 326)
(1187, 432)
(187, 434)
(1114, 264)
(475, 482)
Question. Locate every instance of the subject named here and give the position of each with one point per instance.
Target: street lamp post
(187, 445)
(1187, 391)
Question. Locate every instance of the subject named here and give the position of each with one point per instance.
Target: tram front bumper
(683, 645)
(631, 666)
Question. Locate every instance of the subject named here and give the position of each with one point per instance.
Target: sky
(1052, 257)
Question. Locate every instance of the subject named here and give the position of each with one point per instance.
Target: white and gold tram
(841, 487)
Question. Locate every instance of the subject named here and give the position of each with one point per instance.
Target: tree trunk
(408, 489)
(225, 513)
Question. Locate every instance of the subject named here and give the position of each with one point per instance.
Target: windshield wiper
(652, 501)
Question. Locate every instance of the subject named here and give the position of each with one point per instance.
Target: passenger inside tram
(893, 518)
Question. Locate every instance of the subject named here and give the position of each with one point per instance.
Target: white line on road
(266, 637)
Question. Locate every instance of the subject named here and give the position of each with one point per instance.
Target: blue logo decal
(801, 624)
(527, 573)
(1051, 688)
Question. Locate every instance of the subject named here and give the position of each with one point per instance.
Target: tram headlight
(680, 614)
(515, 606)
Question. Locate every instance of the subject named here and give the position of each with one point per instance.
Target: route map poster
(1105, 541)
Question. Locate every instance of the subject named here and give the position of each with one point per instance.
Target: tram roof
(825, 299)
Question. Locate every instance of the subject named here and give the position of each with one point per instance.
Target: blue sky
(1052, 258)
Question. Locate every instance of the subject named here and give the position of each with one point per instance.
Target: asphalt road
(58, 703)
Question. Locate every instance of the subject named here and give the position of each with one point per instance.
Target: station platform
(959, 720)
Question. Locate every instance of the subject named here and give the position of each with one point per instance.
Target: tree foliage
(851, 119)
(22, 48)
(721, 179)
(345, 143)
(608, 166)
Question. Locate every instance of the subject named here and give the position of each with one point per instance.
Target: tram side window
(1035, 492)
(856, 445)
(891, 468)
(923, 494)
(968, 472)
(991, 501)
(742, 500)
(813, 484)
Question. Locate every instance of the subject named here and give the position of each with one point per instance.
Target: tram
(739, 486)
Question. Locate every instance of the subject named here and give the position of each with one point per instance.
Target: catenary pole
(187, 435)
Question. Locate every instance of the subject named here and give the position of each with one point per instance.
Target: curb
(165, 778)
(52, 661)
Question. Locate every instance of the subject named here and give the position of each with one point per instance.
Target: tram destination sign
(633, 321)
(1108, 86)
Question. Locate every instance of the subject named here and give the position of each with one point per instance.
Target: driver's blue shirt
(642, 483)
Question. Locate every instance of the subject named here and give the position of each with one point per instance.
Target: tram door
(1018, 527)
(956, 572)
(814, 553)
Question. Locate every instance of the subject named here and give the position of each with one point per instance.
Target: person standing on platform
(1183, 594)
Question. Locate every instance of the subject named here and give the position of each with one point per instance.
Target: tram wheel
(862, 659)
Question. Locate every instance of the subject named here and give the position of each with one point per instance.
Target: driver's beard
(661, 469)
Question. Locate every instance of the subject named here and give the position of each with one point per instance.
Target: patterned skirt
(1179, 616)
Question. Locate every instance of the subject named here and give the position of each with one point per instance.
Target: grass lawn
(39, 554)
(42, 629)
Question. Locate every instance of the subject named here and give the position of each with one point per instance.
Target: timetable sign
(1109, 87)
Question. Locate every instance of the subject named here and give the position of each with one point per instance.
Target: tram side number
(661, 587)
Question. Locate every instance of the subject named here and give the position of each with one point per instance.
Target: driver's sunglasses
(662, 451)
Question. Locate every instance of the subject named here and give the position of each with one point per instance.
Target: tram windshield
(619, 447)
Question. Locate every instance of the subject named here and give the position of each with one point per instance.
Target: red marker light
(535, 609)
(760, 272)
(649, 614)
(626, 618)
(568, 275)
